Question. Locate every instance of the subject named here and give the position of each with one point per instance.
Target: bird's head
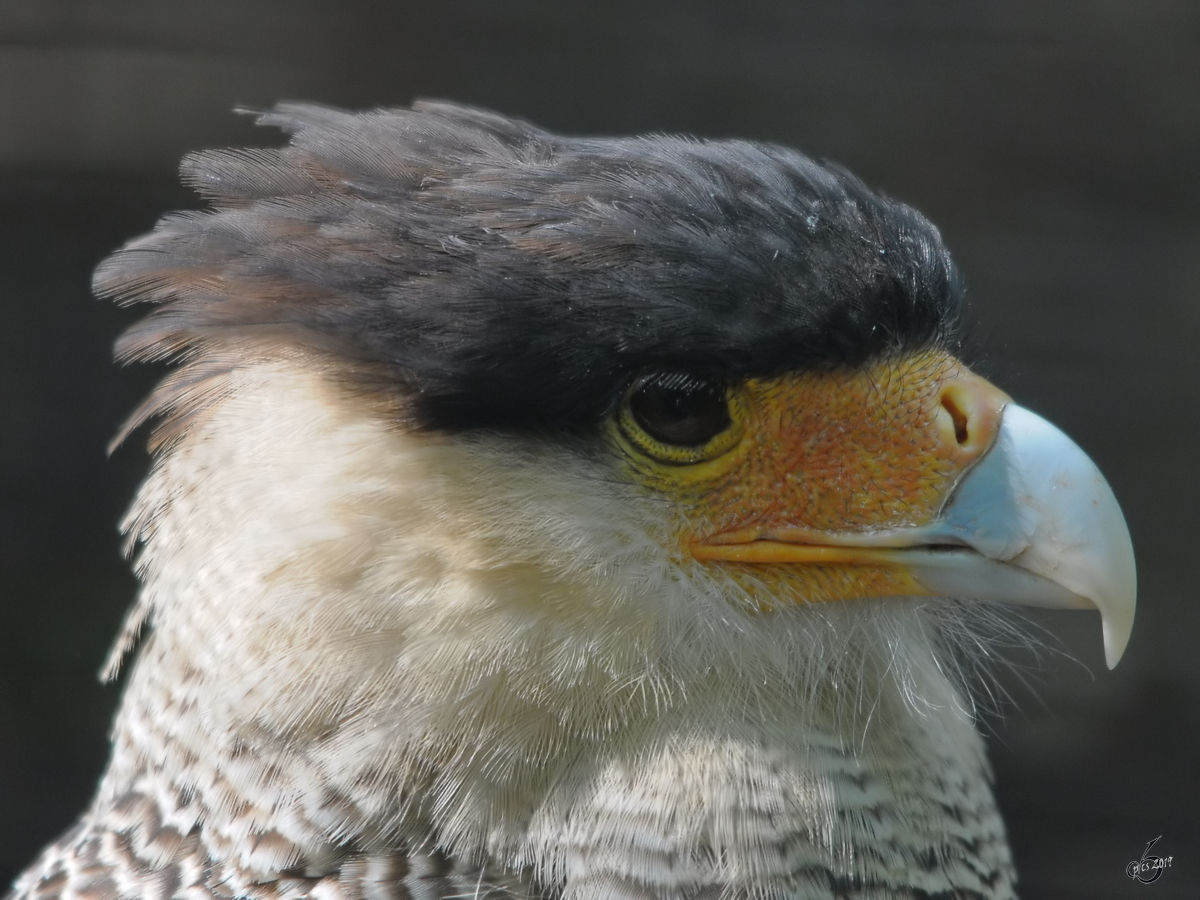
(534, 436)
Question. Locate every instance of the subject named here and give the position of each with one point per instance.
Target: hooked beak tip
(1036, 502)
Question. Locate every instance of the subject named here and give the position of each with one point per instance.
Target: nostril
(952, 404)
(968, 412)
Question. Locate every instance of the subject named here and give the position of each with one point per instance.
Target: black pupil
(681, 410)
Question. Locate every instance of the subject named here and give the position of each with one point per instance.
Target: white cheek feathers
(421, 632)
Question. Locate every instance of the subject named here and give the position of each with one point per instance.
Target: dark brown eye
(680, 409)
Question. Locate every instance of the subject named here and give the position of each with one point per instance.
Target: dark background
(1057, 144)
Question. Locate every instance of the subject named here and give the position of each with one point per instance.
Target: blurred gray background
(1056, 144)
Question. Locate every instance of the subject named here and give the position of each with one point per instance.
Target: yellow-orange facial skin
(810, 461)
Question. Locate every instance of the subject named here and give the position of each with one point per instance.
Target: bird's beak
(1031, 521)
(1037, 525)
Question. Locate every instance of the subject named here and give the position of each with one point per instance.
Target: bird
(594, 518)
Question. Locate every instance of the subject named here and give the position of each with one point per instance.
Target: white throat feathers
(362, 637)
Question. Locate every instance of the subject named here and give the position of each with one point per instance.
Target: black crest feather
(498, 276)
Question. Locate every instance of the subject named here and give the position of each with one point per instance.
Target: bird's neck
(693, 794)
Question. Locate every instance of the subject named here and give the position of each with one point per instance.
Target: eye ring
(680, 417)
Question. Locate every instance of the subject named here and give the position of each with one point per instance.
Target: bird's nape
(567, 518)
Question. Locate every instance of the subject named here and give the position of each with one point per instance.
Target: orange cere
(828, 461)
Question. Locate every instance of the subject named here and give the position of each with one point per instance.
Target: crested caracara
(576, 518)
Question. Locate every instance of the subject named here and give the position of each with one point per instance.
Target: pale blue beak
(1042, 527)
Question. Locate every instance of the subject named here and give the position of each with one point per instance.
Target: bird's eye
(680, 410)
(678, 417)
